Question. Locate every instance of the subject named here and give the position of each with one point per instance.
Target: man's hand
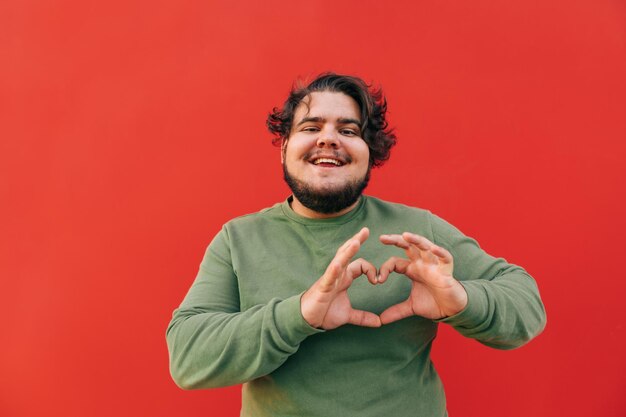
(434, 293)
(326, 304)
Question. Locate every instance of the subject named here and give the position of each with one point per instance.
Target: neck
(304, 211)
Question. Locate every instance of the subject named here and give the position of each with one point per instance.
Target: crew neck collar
(344, 218)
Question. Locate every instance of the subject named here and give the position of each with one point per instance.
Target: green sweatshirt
(241, 322)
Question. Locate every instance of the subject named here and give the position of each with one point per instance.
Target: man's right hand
(326, 304)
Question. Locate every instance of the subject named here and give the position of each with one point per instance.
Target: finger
(419, 241)
(362, 267)
(412, 251)
(397, 312)
(393, 264)
(364, 318)
(361, 236)
(343, 256)
(328, 281)
(424, 245)
(443, 255)
(346, 252)
(351, 246)
(395, 240)
(440, 254)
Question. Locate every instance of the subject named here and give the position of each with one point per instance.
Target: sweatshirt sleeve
(212, 343)
(504, 309)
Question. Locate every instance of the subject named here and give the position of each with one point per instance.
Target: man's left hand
(435, 293)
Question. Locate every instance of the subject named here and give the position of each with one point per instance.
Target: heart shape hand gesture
(434, 292)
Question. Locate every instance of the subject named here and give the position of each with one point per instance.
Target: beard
(327, 200)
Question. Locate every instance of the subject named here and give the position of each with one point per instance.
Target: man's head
(332, 132)
(372, 107)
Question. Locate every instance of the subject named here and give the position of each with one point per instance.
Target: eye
(349, 132)
(310, 129)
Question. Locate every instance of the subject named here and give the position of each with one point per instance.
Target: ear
(283, 149)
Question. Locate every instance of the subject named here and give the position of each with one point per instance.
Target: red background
(131, 130)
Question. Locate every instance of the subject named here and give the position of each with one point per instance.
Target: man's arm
(456, 282)
(212, 343)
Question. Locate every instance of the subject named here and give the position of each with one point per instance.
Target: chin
(332, 187)
(326, 196)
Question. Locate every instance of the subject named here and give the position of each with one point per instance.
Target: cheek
(291, 154)
(363, 152)
(295, 148)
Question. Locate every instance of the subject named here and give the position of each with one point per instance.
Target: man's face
(325, 160)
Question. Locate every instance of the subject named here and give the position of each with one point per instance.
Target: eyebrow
(341, 120)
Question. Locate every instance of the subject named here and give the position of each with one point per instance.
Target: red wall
(131, 130)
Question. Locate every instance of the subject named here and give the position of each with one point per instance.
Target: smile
(327, 162)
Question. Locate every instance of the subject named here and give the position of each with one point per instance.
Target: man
(276, 306)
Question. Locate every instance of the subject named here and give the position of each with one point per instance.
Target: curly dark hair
(372, 104)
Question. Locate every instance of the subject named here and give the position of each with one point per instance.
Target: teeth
(326, 160)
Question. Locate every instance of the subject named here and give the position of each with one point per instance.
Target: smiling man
(277, 306)
(327, 163)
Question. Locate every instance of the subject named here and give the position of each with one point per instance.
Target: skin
(330, 126)
(435, 293)
(326, 304)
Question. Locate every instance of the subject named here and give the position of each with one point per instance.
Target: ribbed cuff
(290, 323)
(476, 310)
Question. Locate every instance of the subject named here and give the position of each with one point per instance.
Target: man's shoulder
(399, 217)
(268, 214)
(384, 207)
(390, 217)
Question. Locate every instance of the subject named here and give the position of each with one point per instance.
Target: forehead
(327, 105)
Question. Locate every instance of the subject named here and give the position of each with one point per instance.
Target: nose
(328, 137)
